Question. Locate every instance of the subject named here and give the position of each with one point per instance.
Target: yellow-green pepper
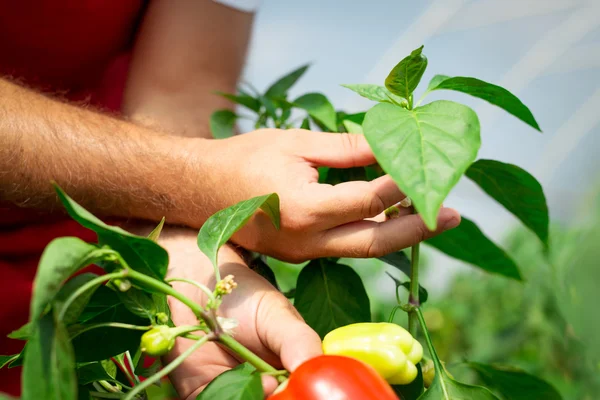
(387, 347)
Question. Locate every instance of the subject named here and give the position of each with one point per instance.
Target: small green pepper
(387, 347)
(158, 341)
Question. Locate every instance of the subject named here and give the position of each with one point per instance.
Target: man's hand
(268, 324)
(317, 220)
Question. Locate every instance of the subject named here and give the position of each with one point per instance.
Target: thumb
(286, 334)
(336, 150)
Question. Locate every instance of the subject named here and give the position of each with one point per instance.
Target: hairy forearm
(110, 166)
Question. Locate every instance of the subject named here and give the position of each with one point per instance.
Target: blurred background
(547, 52)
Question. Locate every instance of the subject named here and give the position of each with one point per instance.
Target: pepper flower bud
(387, 347)
(225, 286)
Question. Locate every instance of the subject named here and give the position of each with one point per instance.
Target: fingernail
(451, 223)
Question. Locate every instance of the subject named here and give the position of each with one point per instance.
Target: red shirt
(78, 49)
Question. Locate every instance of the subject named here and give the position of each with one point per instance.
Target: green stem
(432, 352)
(84, 288)
(393, 313)
(167, 369)
(111, 325)
(132, 365)
(200, 286)
(244, 353)
(410, 102)
(413, 297)
(101, 395)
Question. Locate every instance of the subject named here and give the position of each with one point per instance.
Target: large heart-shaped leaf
(425, 150)
(222, 123)
(283, 84)
(49, 367)
(467, 243)
(517, 190)
(142, 254)
(375, 93)
(493, 94)
(406, 75)
(239, 383)
(61, 259)
(318, 107)
(219, 228)
(330, 295)
(514, 383)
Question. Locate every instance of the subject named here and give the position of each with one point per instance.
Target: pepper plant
(425, 148)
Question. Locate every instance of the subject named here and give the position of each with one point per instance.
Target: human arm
(185, 50)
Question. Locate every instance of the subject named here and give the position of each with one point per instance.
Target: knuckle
(349, 145)
(373, 204)
(420, 232)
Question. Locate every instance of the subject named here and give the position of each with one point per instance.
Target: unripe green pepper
(387, 347)
(158, 341)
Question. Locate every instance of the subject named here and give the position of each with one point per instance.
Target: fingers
(337, 150)
(355, 201)
(283, 331)
(366, 239)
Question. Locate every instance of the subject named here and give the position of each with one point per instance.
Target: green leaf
(357, 118)
(340, 175)
(219, 228)
(493, 94)
(239, 383)
(305, 124)
(106, 306)
(78, 305)
(352, 127)
(318, 107)
(141, 253)
(398, 260)
(243, 99)
(514, 384)
(406, 75)
(93, 372)
(375, 93)
(423, 294)
(517, 190)
(443, 386)
(61, 258)
(22, 333)
(435, 81)
(222, 123)
(139, 303)
(330, 295)
(5, 360)
(425, 150)
(413, 390)
(467, 243)
(155, 234)
(283, 84)
(49, 368)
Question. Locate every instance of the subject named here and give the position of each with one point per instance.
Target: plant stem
(432, 352)
(413, 297)
(84, 288)
(132, 366)
(197, 284)
(167, 369)
(410, 102)
(106, 395)
(244, 353)
(167, 289)
(111, 325)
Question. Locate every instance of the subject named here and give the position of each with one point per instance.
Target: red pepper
(331, 377)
